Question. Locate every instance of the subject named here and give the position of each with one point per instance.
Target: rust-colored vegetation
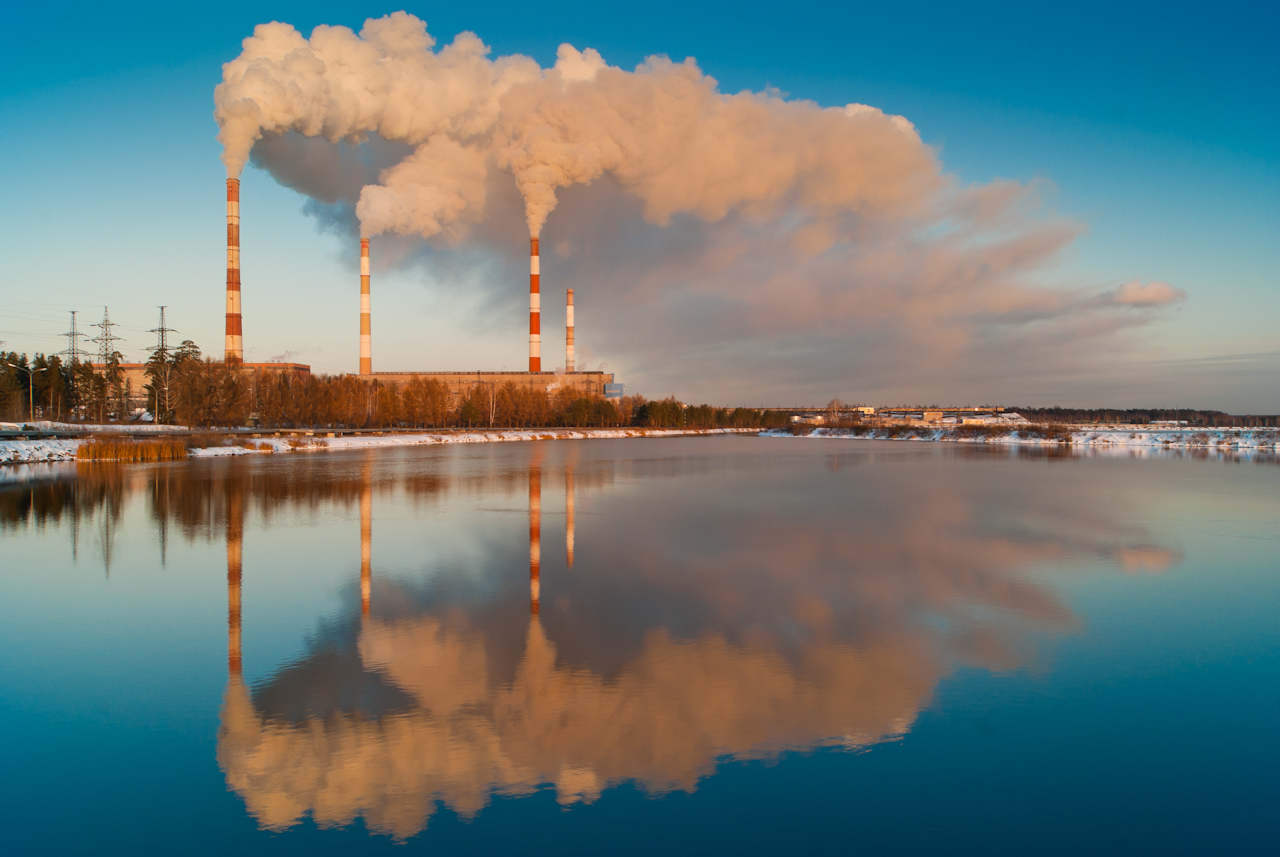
(128, 449)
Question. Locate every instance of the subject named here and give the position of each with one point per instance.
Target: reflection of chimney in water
(366, 538)
(235, 546)
(568, 515)
(535, 535)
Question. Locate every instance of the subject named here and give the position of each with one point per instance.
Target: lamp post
(31, 389)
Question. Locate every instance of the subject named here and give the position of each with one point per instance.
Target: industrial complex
(590, 383)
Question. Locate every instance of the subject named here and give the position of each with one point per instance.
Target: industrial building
(594, 383)
(460, 383)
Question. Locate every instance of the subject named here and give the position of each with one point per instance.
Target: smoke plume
(734, 229)
(664, 131)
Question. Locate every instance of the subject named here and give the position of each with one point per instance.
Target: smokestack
(535, 536)
(366, 339)
(568, 334)
(235, 334)
(535, 310)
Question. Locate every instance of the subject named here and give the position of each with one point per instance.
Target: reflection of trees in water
(195, 496)
(90, 496)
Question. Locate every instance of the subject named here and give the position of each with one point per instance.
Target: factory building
(594, 383)
(459, 383)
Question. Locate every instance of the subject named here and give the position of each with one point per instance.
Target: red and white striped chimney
(568, 334)
(366, 338)
(535, 311)
(235, 333)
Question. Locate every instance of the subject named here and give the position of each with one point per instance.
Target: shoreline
(1101, 440)
(19, 452)
(1070, 437)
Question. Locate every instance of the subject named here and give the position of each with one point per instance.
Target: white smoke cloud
(731, 229)
(664, 131)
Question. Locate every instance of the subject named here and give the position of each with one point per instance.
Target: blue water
(761, 645)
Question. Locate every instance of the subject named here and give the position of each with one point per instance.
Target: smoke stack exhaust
(568, 334)
(235, 333)
(366, 338)
(535, 310)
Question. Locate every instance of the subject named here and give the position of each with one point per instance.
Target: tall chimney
(568, 334)
(535, 536)
(535, 311)
(366, 338)
(235, 333)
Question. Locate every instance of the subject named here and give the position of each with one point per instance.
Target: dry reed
(126, 449)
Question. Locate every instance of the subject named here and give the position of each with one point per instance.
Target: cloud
(766, 242)
(1135, 294)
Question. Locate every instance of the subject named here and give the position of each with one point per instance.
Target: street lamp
(31, 389)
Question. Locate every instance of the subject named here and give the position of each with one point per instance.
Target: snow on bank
(315, 444)
(1226, 439)
(20, 451)
(107, 428)
(25, 451)
(1094, 440)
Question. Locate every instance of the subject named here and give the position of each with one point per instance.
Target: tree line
(1146, 416)
(47, 387)
(186, 389)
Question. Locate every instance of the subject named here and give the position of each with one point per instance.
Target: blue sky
(1155, 126)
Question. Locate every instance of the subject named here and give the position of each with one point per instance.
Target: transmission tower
(106, 340)
(74, 353)
(161, 348)
(160, 352)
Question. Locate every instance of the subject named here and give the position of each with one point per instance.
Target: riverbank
(1107, 439)
(207, 445)
(1080, 437)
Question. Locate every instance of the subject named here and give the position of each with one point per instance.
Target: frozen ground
(1108, 437)
(27, 451)
(115, 428)
(320, 442)
(22, 451)
(1106, 440)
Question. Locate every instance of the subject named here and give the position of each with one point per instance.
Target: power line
(107, 340)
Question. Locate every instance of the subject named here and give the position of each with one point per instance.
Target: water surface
(731, 644)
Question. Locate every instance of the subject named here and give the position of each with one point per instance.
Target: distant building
(460, 384)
